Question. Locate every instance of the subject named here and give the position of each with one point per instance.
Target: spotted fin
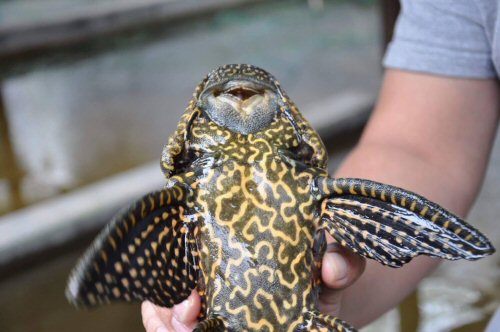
(392, 225)
(146, 253)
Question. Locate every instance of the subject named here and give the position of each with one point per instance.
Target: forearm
(398, 167)
(429, 135)
(381, 288)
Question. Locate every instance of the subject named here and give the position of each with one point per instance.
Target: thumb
(340, 268)
(186, 312)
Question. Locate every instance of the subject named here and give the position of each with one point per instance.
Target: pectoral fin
(146, 253)
(392, 225)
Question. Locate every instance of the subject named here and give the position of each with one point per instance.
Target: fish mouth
(239, 90)
(241, 105)
(243, 96)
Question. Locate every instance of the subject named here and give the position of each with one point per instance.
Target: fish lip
(233, 86)
(239, 83)
(243, 106)
(240, 94)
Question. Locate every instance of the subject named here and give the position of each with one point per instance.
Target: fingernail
(162, 329)
(339, 265)
(180, 311)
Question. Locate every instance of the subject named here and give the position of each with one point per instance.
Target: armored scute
(243, 217)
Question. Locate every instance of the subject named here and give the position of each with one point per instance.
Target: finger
(156, 319)
(185, 314)
(341, 267)
(180, 327)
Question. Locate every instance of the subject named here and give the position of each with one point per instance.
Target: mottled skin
(256, 216)
(243, 217)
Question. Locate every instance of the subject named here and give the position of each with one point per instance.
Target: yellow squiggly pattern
(257, 231)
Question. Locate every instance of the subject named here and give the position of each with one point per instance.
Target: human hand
(181, 318)
(340, 269)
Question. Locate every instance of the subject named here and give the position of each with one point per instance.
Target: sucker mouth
(239, 91)
(241, 105)
(243, 93)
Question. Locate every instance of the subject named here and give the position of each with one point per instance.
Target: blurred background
(90, 90)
